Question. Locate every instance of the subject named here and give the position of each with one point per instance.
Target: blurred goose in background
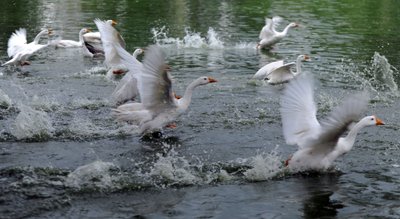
(320, 143)
(277, 72)
(20, 50)
(110, 38)
(159, 106)
(72, 43)
(269, 36)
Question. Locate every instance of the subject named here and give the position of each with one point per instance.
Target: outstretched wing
(266, 69)
(110, 39)
(280, 74)
(16, 42)
(298, 111)
(156, 90)
(267, 31)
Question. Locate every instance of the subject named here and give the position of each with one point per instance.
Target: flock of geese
(319, 143)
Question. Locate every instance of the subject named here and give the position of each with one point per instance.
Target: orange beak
(211, 80)
(307, 58)
(177, 96)
(88, 30)
(113, 22)
(379, 121)
(297, 25)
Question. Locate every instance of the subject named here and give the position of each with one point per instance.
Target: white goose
(320, 143)
(269, 36)
(277, 72)
(159, 105)
(20, 50)
(127, 87)
(72, 43)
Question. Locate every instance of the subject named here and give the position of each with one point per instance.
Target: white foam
(173, 169)
(92, 175)
(5, 100)
(32, 124)
(264, 166)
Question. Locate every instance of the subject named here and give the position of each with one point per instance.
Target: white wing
(127, 88)
(276, 20)
(267, 31)
(130, 85)
(262, 72)
(280, 74)
(298, 111)
(16, 42)
(109, 39)
(156, 91)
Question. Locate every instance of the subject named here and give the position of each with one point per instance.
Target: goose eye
(205, 79)
(372, 119)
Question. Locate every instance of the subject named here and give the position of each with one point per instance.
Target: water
(64, 156)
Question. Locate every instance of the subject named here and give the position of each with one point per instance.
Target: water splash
(378, 78)
(95, 175)
(45, 104)
(173, 170)
(190, 40)
(383, 73)
(32, 124)
(5, 100)
(264, 166)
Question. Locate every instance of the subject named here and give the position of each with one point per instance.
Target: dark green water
(224, 159)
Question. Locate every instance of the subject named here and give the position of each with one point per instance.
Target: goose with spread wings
(320, 143)
(277, 72)
(268, 34)
(159, 107)
(19, 50)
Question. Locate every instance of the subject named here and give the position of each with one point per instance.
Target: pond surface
(62, 154)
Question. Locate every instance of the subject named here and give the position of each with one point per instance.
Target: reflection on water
(62, 153)
(318, 202)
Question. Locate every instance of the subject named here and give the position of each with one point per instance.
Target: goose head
(84, 30)
(371, 120)
(204, 80)
(293, 24)
(111, 22)
(137, 52)
(304, 58)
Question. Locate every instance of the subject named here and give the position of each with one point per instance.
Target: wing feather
(280, 74)
(298, 111)
(16, 42)
(156, 91)
(109, 39)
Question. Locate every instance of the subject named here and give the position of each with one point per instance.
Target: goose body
(159, 106)
(72, 43)
(277, 72)
(320, 143)
(269, 36)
